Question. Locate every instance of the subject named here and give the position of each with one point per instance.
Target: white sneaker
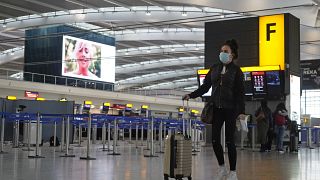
(232, 175)
(222, 172)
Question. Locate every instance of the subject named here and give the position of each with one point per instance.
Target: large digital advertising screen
(88, 60)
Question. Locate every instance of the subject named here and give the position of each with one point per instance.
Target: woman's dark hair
(281, 106)
(264, 103)
(233, 46)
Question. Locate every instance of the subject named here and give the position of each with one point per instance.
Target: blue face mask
(224, 57)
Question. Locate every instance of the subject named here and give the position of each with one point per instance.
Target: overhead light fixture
(12, 53)
(4, 25)
(148, 51)
(172, 49)
(197, 48)
(126, 53)
(222, 14)
(63, 100)
(184, 13)
(148, 13)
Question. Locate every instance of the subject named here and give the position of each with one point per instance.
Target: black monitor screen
(273, 84)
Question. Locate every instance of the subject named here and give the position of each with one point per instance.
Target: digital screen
(274, 84)
(273, 78)
(247, 84)
(88, 60)
(201, 79)
(259, 83)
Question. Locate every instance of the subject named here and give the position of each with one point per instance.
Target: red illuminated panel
(261, 73)
(119, 106)
(31, 94)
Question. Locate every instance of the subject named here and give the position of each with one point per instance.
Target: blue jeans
(279, 130)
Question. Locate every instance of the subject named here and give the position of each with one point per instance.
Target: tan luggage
(177, 157)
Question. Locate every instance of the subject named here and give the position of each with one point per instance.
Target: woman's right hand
(186, 97)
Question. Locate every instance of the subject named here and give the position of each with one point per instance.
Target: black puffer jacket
(227, 89)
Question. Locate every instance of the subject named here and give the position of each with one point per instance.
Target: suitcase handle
(185, 108)
(175, 154)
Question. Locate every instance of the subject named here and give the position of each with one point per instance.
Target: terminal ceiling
(157, 51)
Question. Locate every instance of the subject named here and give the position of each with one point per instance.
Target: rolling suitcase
(294, 133)
(177, 157)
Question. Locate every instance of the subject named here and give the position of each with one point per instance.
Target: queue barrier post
(37, 139)
(115, 135)
(67, 140)
(88, 157)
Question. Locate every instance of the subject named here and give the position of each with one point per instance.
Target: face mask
(225, 58)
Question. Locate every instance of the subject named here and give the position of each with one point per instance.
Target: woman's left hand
(242, 116)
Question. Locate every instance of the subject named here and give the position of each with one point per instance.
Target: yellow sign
(106, 104)
(181, 109)
(88, 102)
(63, 100)
(260, 68)
(12, 98)
(145, 107)
(40, 99)
(129, 105)
(203, 71)
(194, 111)
(271, 41)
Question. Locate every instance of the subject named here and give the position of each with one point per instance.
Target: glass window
(310, 102)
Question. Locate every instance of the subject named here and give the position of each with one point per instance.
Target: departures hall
(159, 90)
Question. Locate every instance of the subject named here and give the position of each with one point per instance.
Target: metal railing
(11, 74)
(56, 80)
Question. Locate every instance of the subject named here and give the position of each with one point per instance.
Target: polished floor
(132, 165)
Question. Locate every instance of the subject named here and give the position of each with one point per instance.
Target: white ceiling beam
(161, 51)
(18, 8)
(128, 16)
(83, 4)
(305, 10)
(173, 85)
(138, 80)
(8, 44)
(158, 64)
(5, 58)
(118, 4)
(151, 2)
(9, 35)
(179, 36)
(47, 5)
(6, 15)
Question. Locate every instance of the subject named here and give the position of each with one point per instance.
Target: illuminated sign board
(271, 41)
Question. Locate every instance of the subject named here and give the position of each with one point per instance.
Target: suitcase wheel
(189, 178)
(166, 177)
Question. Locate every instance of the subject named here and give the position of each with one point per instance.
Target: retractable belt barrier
(162, 125)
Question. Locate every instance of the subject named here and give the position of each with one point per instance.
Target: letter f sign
(269, 31)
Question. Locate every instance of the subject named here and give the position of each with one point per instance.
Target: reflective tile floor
(132, 165)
